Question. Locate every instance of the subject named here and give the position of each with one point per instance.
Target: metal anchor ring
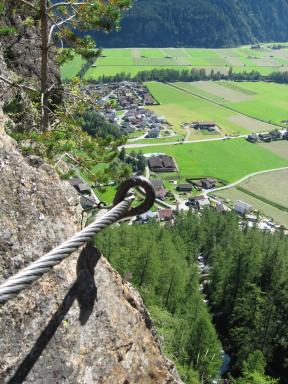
(141, 182)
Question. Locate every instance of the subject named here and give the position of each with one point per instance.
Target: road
(208, 191)
(184, 142)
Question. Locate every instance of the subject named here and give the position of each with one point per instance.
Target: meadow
(133, 60)
(260, 100)
(229, 160)
(271, 186)
(187, 102)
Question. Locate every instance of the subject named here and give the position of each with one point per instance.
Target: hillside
(80, 323)
(200, 23)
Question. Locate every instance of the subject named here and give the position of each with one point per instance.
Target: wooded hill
(200, 23)
(246, 287)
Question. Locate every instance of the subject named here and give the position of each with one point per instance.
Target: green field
(271, 186)
(180, 103)
(133, 60)
(229, 160)
(260, 100)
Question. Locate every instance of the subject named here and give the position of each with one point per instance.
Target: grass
(252, 106)
(71, 68)
(271, 186)
(159, 140)
(178, 107)
(227, 160)
(133, 60)
(278, 147)
(270, 102)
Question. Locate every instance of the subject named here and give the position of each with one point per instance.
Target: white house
(242, 208)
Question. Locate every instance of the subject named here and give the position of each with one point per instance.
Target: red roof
(165, 214)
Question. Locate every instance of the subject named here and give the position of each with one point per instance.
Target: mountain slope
(200, 23)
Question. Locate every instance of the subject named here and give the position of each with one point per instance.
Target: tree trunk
(44, 65)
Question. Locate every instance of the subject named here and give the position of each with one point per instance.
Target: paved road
(243, 179)
(184, 142)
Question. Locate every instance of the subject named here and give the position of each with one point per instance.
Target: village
(275, 135)
(173, 195)
(124, 104)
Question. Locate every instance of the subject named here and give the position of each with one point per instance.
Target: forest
(238, 306)
(174, 75)
(199, 23)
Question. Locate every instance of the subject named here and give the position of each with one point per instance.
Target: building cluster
(142, 119)
(268, 137)
(126, 94)
(162, 215)
(124, 104)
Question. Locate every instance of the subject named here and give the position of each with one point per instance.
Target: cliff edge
(80, 323)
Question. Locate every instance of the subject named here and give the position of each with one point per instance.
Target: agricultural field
(280, 148)
(271, 186)
(265, 102)
(278, 215)
(133, 60)
(187, 102)
(228, 160)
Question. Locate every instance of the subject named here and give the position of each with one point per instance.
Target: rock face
(80, 323)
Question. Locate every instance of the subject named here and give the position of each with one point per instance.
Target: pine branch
(27, 3)
(13, 84)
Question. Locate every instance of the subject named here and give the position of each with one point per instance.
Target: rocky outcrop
(80, 323)
(22, 48)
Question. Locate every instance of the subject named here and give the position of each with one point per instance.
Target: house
(145, 217)
(198, 184)
(208, 125)
(242, 208)
(184, 187)
(157, 184)
(165, 214)
(209, 183)
(161, 193)
(252, 138)
(153, 133)
(221, 208)
(265, 137)
(161, 163)
(203, 201)
(275, 135)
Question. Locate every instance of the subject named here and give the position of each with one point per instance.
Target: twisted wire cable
(34, 271)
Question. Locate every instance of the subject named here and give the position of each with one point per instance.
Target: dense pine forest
(200, 23)
(238, 305)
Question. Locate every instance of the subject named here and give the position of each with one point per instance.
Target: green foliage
(93, 123)
(137, 160)
(247, 291)
(187, 75)
(163, 266)
(7, 31)
(200, 23)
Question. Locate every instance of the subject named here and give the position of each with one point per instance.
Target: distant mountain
(200, 23)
